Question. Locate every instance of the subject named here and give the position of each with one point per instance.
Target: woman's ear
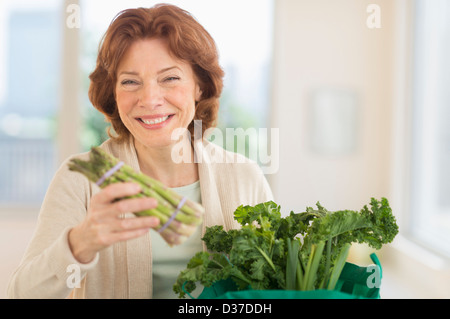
(198, 93)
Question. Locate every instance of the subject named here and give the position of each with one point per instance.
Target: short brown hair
(187, 40)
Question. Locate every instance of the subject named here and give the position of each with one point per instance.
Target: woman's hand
(103, 226)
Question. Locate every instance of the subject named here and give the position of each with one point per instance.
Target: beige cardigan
(123, 270)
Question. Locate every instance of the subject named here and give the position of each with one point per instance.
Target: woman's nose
(151, 95)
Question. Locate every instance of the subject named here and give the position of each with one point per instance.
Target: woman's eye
(128, 82)
(171, 78)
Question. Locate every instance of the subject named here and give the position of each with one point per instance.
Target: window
(29, 77)
(430, 200)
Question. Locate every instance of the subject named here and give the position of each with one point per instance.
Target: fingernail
(152, 202)
(155, 221)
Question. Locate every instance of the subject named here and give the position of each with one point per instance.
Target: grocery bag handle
(376, 261)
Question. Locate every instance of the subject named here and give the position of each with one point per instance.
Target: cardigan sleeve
(48, 268)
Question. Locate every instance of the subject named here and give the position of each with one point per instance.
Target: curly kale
(301, 251)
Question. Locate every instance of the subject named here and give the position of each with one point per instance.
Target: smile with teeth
(155, 121)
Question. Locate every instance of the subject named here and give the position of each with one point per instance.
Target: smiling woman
(141, 95)
(245, 55)
(193, 46)
(157, 71)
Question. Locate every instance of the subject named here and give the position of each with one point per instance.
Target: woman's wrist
(82, 255)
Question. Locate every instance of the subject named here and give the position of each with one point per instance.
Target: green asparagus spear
(188, 217)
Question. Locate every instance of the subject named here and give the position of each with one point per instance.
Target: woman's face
(155, 92)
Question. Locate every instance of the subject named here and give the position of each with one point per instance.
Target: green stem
(163, 191)
(338, 266)
(300, 278)
(327, 264)
(291, 263)
(100, 162)
(269, 261)
(313, 264)
(164, 206)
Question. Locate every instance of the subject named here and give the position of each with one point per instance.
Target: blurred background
(356, 90)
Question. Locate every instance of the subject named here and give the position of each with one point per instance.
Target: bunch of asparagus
(185, 221)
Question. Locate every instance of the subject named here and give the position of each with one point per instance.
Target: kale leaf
(298, 251)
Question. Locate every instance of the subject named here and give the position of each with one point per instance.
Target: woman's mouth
(155, 122)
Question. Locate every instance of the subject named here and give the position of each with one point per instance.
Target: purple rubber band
(109, 173)
(182, 201)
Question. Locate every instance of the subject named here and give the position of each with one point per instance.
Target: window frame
(426, 215)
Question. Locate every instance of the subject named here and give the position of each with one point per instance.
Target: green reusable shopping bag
(355, 282)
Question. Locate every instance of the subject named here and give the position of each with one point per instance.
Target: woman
(157, 71)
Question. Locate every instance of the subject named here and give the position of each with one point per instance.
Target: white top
(168, 261)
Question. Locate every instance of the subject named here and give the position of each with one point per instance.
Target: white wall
(325, 44)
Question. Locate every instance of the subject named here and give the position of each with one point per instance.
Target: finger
(132, 205)
(136, 223)
(116, 191)
(126, 235)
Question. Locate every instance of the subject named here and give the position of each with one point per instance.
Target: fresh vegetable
(186, 219)
(303, 251)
